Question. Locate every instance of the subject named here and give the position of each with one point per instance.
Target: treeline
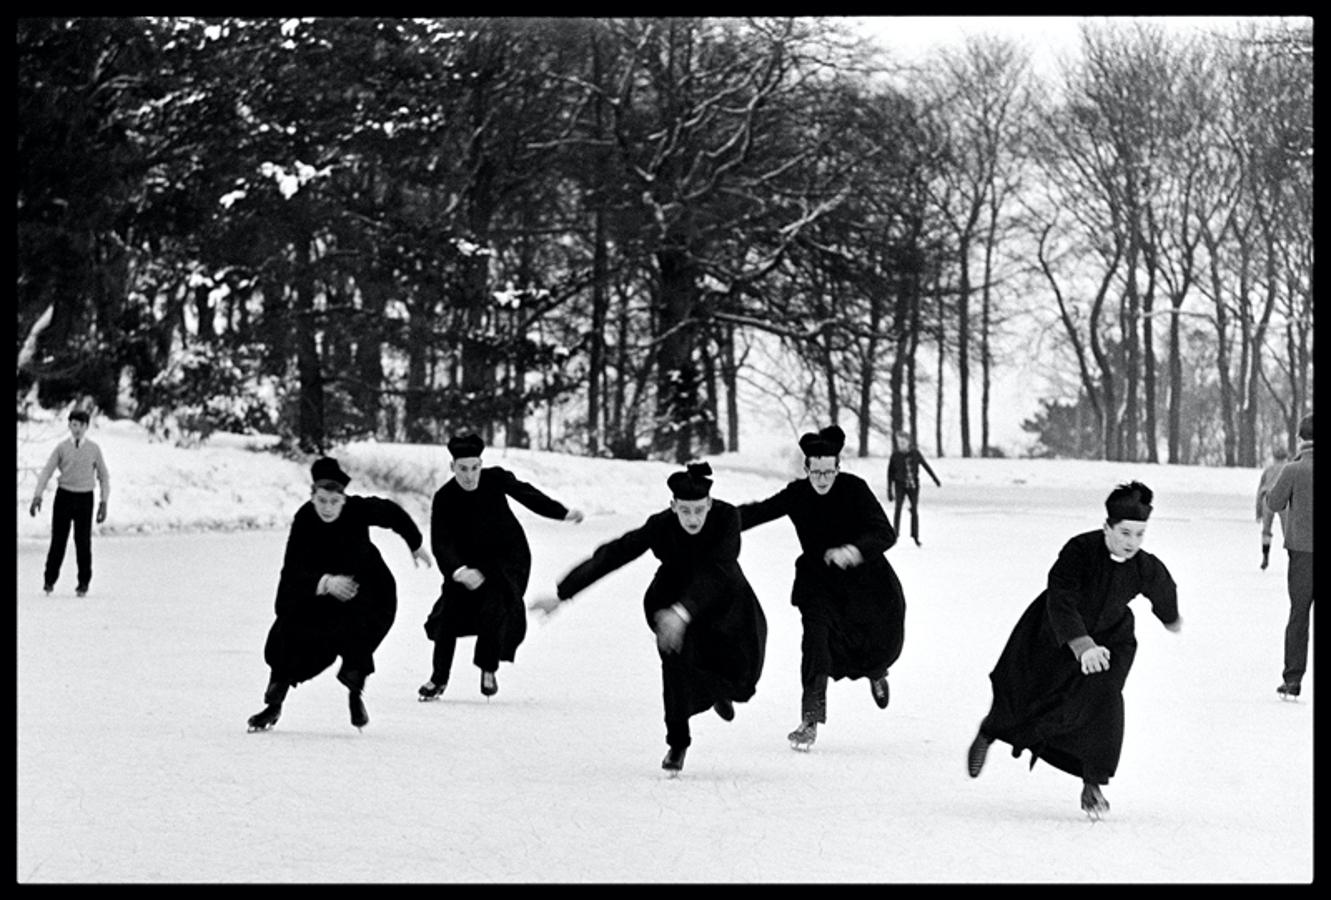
(589, 232)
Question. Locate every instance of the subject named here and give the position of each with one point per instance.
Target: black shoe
(1093, 803)
(48, 587)
(725, 709)
(266, 718)
(359, 717)
(81, 590)
(1266, 556)
(917, 542)
(430, 690)
(489, 685)
(880, 692)
(1288, 691)
(674, 759)
(975, 756)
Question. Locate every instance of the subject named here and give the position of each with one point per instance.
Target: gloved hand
(101, 512)
(1095, 659)
(36, 506)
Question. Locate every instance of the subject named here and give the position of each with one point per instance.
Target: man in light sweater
(81, 467)
(1294, 489)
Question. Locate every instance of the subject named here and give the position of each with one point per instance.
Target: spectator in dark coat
(1058, 684)
(851, 604)
(1293, 491)
(335, 596)
(711, 633)
(1265, 514)
(485, 559)
(903, 483)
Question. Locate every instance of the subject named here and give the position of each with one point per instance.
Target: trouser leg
(83, 537)
(486, 655)
(1300, 581)
(815, 664)
(442, 660)
(915, 514)
(62, 517)
(896, 514)
(676, 699)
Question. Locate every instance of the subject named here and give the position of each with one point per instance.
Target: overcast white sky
(1048, 37)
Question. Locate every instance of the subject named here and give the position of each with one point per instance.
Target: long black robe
(311, 630)
(726, 638)
(865, 603)
(478, 529)
(1042, 700)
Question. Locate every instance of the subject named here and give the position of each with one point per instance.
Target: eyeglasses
(822, 474)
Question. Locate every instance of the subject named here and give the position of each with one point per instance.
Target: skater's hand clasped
(669, 630)
(846, 556)
(468, 577)
(343, 587)
(1095, 659)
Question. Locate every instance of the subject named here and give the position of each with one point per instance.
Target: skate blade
(801, 746)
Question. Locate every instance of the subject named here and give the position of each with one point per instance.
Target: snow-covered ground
(134, 764)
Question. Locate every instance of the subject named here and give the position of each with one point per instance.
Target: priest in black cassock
(710, 630)
(485, 559)
(1058, 684)
(335, 596)
(851, 604)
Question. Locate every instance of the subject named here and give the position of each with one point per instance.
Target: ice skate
(802, 738)
(430, 691)
(880, 692)
(265, 718)
(359, 717)
(674, 760)
(725, 709)
(1093, 803)
(81, 591)
(975, 756)
(48, 588)
(489, 685)
(1288, 691)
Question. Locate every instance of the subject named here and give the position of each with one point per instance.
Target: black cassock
(478, 529)
(1042, 700)
(864, 604)
(726, 639)
(312, 630)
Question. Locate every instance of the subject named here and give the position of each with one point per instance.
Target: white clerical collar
(1118, 558)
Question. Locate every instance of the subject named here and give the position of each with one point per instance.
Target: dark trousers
(486, 655)
(1300, 580)
(71, 508)
(903, 494)
(816, 661)
(677, 693)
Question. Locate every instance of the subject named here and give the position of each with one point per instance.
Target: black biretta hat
(692, 483)
(465, 445)
(827, 442)
(1129, 501)
(326, 471)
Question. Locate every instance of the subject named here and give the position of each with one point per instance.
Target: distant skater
(903, 482)
(1058, 684)
(485, 562)
(1265, 514)
(335, 596)
(710, 630)
(82, 468)
(852, 608)
(1293, 491)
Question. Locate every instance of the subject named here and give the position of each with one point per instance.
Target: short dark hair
(81, 415)
(1306, 427)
